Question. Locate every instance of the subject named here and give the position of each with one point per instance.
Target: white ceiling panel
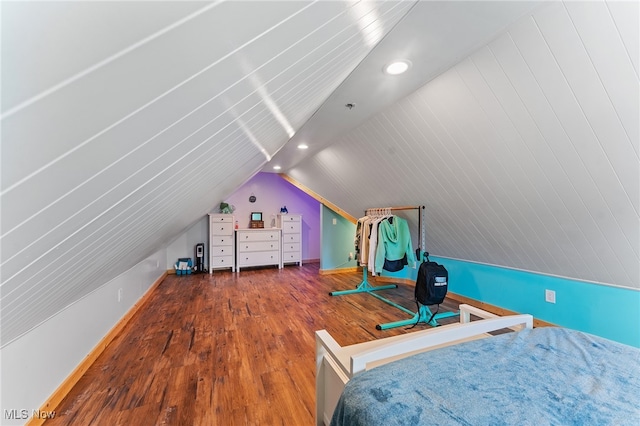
(108, 156)
(625, 16)
(88, 33)
(119, 91)
(587, 85)
(525, 153)
(435, 35)
(613, 69)
(129, 121)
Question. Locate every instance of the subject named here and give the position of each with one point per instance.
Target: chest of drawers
(221, 243)
(291, 225)
(258, 247)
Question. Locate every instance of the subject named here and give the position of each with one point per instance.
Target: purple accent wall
(272, 192)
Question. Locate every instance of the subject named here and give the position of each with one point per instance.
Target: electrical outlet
(335, 221)
(350, 255)
(550, 296)
(119, 295)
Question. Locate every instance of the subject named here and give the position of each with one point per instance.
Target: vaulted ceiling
(525, 153)
(123, 123)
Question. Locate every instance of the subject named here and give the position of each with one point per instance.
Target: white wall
(185, 244)
(35, 364)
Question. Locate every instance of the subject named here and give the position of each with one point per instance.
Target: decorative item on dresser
(291, 225)
(256, 220)
(221, 243)
(258, 247)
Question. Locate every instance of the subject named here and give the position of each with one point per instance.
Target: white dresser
(291, 225)
(258, 247)
(221, 244)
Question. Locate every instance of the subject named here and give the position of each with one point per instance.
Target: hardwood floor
(228, 349)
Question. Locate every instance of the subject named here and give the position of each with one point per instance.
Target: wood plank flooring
(229, 349)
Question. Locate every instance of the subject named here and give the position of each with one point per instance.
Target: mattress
(541, 376)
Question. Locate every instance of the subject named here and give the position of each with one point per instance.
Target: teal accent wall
(606, 311)
(336, 241)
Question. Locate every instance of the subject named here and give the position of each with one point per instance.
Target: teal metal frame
(364, 287)
(423, 315)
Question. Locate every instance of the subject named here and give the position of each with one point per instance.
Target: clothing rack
(424, 314)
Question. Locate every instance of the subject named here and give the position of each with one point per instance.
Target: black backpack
(432, 282)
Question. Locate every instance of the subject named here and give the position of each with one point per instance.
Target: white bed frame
(335, 364)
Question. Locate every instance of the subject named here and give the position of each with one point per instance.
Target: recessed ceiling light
(303, 146)
(397, 67)
(276, 167)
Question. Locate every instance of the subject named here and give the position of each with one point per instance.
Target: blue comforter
(544, 376)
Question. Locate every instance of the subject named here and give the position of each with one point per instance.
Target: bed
(461, 374)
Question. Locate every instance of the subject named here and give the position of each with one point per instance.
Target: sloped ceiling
(525, 154)
(434, 36)
(125, 122)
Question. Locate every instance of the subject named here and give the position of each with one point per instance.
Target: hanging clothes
(373, 244)
(359, 240)
(394, 245)
(366, 230)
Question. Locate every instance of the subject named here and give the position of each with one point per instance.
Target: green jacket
(394, 241)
